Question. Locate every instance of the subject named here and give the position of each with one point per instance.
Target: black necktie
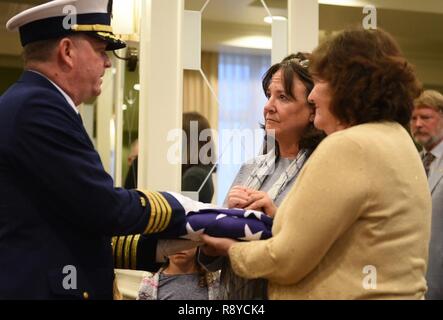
(80, 117)
(427, 160)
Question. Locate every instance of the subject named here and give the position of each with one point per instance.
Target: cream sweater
(357, 218)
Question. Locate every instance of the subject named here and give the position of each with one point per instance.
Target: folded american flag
(228, 223)
(139, 251)
(220, 222)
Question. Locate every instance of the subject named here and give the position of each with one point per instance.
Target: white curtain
(196, 94)
(241, 107)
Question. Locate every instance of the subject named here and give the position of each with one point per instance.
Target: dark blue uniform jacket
(58, 206)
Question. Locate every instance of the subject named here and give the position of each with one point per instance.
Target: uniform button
(85, 295)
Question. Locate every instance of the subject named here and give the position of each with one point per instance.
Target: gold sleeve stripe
(134, 252)
(128, 242)
(152, 215)
(158, 198)
(119, 254)
(167, 212)
(159, 215)
(161, 209)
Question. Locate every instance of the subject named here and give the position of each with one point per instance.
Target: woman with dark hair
(197, 164)
(263, 183)
(356, 224)
(289, 117)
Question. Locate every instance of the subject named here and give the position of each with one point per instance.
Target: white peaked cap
(47, 21)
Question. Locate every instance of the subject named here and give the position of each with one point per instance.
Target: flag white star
(221, 216)
(257, 214)
(249, 236)
(193, 235)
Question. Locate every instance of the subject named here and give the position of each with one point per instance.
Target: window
(241, 107)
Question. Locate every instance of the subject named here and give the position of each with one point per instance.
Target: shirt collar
(68, 98)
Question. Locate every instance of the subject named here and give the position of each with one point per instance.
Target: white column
(161, 91)
(279, 40)
(303, 18)
(104, 116)
(119, 90)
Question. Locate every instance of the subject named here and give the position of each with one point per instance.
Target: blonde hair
(431, 99)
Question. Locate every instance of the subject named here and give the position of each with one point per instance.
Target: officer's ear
(66, 52)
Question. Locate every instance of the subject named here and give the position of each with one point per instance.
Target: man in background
(427, 130)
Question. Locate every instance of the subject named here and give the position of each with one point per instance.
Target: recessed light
(269, 19)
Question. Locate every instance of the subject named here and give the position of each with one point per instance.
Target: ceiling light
(253, 42)
(269, 19)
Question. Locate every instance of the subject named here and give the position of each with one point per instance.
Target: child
(181, 278)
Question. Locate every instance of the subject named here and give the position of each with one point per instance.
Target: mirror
(236, 45)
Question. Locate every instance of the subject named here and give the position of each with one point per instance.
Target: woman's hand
(239, 197)
(259, 200)
(216, 246)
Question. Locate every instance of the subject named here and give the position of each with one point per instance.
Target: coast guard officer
(58, 207)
